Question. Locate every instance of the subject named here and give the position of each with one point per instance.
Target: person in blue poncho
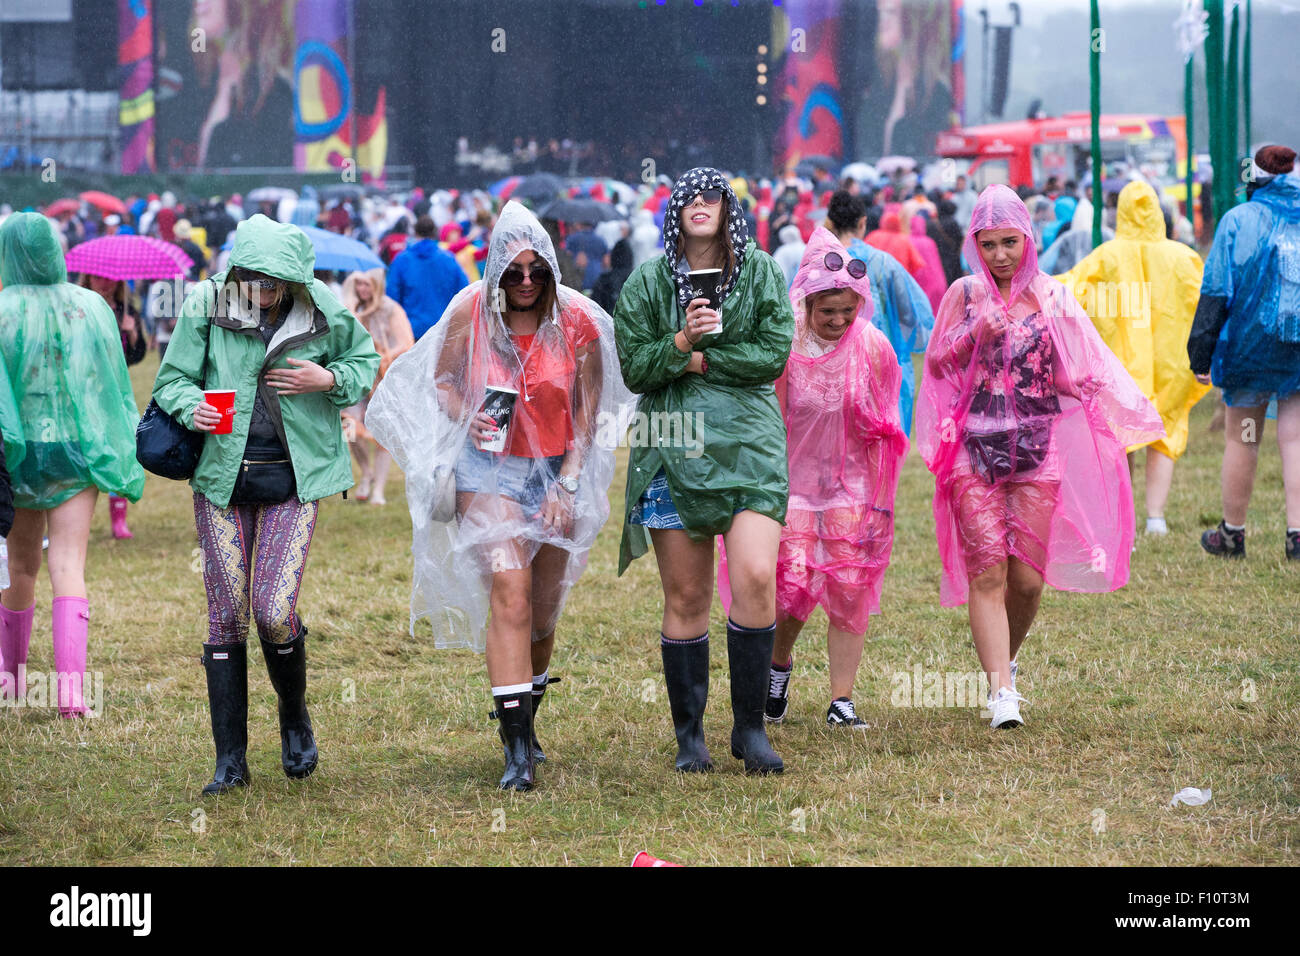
(1246, 338)
(424, 278)
(1064, 209)
(902, 310)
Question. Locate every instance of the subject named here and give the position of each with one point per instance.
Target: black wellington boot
(227, 668)
(537, 702)
(686, 673)
(286, 664)
(515, 725)
(749, 651)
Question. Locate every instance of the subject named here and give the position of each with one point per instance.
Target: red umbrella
(129, 257)
(104, 202)
(60, 206)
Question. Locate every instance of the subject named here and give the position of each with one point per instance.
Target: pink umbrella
(129, 257)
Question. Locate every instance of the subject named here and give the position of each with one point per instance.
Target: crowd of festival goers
(814, 326)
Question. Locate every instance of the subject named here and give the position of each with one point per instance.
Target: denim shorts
(1251, 398)
(524, 480)
(655, 508)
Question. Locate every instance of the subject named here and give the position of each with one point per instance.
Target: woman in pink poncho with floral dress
(1024, 419)
(839, 399)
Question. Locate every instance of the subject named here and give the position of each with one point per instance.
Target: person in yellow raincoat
(1140, 290)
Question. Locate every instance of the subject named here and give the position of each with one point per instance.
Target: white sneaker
(1006, 710)
(1157, 526)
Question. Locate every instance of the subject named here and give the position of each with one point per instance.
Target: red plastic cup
(645, 859)
(223, 400)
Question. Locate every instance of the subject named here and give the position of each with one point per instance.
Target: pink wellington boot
(15, 635)
(117, 511)
(71, 624)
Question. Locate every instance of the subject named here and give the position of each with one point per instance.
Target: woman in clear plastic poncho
(1024, 419)
(68, 419)
(1140, 290)
(845, 442)
(493, 572)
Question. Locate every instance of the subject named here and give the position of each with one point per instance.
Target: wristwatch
(568, 483)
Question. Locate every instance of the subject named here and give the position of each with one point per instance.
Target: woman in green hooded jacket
(708, 452)
(295, 358)
(68, 420)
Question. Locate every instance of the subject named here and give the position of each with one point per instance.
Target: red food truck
(1027, 152)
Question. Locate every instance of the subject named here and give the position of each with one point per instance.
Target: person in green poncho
(295, 358)
(68, 419)
(708, 453)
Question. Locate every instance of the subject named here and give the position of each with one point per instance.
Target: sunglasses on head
(834, 262)
(515, 276)
(711, 197)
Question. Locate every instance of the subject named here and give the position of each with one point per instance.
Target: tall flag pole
(1214, 88)
(1190, 31)
(1094, 76)
(1233, 97)
(1246, 79)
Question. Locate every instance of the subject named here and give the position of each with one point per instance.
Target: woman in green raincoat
(295, 358)
(708, 453)
(68, 419)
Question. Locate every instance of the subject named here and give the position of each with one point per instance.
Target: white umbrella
(890, 165)
(860, 172)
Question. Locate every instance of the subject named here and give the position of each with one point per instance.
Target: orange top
(542, 423)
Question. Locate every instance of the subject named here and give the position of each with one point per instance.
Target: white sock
(1234, 527)
(541, 680)
(507, 689)
(1293, 530)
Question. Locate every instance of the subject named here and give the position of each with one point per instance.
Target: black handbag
(1007, 453)
(264, 482)
(166, 446)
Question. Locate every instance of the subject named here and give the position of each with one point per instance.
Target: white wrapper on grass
(1192, 797)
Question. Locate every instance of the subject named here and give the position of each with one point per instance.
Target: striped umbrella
(129, 257)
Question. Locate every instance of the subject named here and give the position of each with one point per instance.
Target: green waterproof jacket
(719, 437)
(318, 328)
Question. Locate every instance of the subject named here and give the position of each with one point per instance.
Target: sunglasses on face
(711, 197)
(514, 276)
(834, 262)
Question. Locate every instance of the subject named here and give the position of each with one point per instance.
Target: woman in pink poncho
(1024, 418)
(839, 398)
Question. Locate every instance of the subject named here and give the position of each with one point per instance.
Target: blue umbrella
(335, 253)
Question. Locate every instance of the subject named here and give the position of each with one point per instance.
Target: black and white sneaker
(778, 693)
(842, 714)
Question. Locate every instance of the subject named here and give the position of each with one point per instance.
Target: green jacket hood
(30, 253)
(274, 248)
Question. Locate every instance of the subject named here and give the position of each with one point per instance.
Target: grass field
(1188, 676)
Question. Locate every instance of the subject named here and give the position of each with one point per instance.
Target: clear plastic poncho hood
(1024, 418)
(569, 395)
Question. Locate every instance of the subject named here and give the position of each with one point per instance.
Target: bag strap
(207, 342)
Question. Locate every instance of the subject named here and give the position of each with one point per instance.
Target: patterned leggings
(232, 574)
